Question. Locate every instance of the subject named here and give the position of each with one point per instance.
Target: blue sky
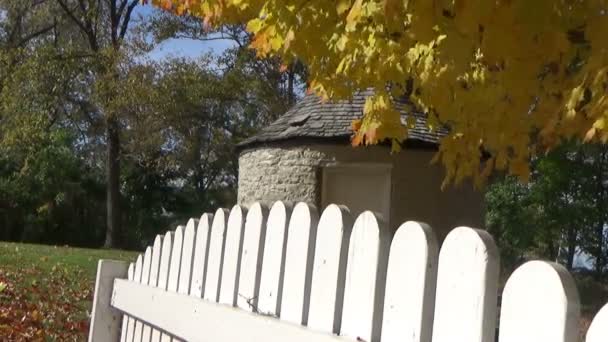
(180, 47)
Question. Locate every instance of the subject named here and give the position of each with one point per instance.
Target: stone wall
(292, 172)
(270, 174)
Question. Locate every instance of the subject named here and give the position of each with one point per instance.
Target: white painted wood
(192, 319)
(251, 257)
(598, 331)
(153, 279)
(174, 267)
(299, 257)
(365, 279)
(329, 269)
(145, 276)
(176, 259)
(216, 255)
(105, 320)
(409, 299)
(163, 273)
(467, 285)
(540, 303)
(273, 263)
(185, 271)
(136, 279)
(201, 251)
(125, 318)
(232, 256)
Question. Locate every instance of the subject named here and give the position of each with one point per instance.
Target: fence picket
(201, 250)
(174, 267)
(145, 276)
(273, 263)
(163, 272)
(598, 331)
(251, 257)
(329, 269)
(153, 279)
(216, 255)
(334, 276)
(137, 279)
(539, 303)
(409, 299)
(299, 257)
(185, 271)
(125, 318)
(365, 279)
(232, 256)
(467, 285)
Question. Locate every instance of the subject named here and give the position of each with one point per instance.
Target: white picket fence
(288, 275)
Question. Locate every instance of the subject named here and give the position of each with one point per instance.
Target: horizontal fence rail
(288, 273)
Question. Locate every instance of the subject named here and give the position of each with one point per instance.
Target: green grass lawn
(46, 292)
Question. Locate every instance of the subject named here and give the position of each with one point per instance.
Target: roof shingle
(312, 118)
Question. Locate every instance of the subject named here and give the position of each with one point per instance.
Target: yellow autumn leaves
(509, 78)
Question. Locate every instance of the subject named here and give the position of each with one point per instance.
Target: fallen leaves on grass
(37, 305)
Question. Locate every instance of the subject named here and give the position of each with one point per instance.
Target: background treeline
(101, 145)
(561, 214)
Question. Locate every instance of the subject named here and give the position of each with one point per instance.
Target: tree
(508, 78)
(276, 86)
(103, 26)
(559, 214)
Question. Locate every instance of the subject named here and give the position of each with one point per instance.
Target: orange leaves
(380, 123)
(509, 81)
(393, 14)
(40, 306)
(353, 15)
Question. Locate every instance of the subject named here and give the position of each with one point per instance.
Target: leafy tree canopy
(512, 78)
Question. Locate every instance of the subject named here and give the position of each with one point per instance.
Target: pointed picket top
(176, 259)
(232, 256)
(201, 250)
(329, 269)
(273, 263)
(185, 272)
(598, 331)
(409, 299)
(174, 267)
(165, 261)
(540, 303)
(299, 258)
(163, 273)
(126, 319)
(216, 255)
(145, 271)
(145, 277)
(467, 286)
(365, 279)
(137, 279)
(155, 262)
(251, 257)
(153, 279)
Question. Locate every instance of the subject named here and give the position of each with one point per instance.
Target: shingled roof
(311, 118)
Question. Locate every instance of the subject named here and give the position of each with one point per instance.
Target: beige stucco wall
(293, 172)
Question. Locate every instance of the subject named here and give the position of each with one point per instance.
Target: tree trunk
(112, 182)
(599, 254)
(571, 248)
(290, 80)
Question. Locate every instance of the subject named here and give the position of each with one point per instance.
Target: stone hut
(306, 155)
